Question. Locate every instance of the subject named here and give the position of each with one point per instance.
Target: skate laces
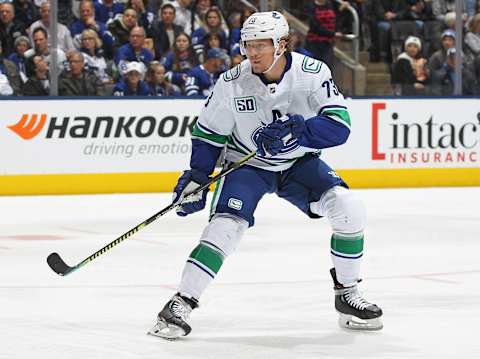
(353, 297)
(180, 308)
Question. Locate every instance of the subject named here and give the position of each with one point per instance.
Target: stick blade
(58, 265)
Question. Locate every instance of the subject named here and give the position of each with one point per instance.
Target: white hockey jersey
(241, 104)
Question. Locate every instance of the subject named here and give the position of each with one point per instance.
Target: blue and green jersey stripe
(204, 134)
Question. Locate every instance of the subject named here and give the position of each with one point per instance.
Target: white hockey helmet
(264, 25)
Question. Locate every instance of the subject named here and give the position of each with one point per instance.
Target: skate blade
(166, 331)
(351, 322)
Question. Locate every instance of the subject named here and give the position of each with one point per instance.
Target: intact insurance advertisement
(413, 133)
(89, 136)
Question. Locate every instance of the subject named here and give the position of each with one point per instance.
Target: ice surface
(273, 297)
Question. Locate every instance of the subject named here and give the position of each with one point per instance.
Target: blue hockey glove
(187, 183)
(269, 139)
(273, 138)
(297, 125)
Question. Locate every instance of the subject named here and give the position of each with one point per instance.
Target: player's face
(260, 54)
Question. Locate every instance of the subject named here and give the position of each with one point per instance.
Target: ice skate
(172, 320)
(355, 312)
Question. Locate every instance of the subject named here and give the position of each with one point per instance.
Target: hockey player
(287, 108)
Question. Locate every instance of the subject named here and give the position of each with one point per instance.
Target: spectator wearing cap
(10, 27)
(64, 38)
(443, 79)
(77, 81)
(121, 26)
(180, 60)
(438, 58)
(133, 51)
(202, 78)
(155, 79)
(164, 31)
(22, 44)
(212, 23)
(132, 84)
(106, 10)
(409, 71)
(87, 21)
(10, 80)
(38, 83)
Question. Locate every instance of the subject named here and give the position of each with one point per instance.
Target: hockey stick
(60, 267)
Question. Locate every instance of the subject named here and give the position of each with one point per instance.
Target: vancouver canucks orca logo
(291, 144)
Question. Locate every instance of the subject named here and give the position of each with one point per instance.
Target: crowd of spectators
(179, 47)
(425, 62)
(119, 48)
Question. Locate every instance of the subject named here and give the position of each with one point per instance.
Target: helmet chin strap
(275, 59)
(276, 56)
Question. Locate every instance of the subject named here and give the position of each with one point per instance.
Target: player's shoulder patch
(311, 65)
(232, 74)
